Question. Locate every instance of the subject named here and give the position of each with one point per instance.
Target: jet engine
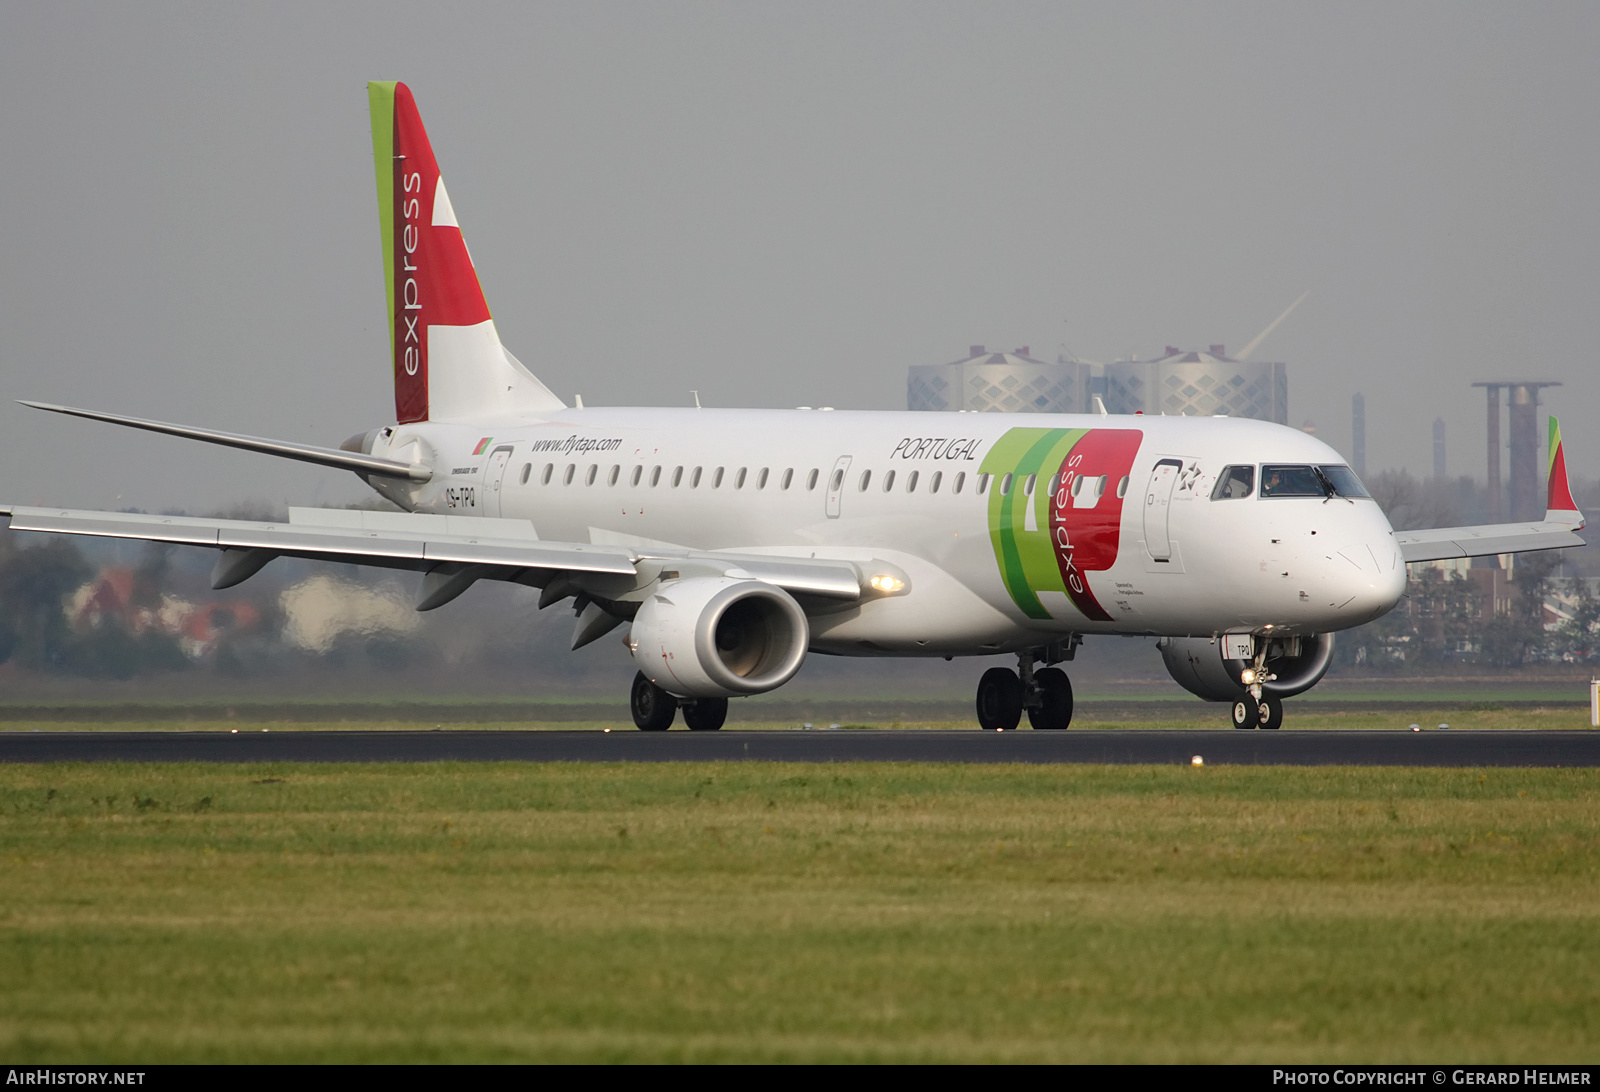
(719, 637)
(1199, 666)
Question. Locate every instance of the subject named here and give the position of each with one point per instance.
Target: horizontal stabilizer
(283, 449)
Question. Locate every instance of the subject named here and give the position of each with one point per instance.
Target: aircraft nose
(1366, 580)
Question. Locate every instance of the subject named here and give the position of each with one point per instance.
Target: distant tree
(1580, 636)
(34, 582)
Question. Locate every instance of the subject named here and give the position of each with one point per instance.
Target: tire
(652, 707)
(1271, 712)
(1246, 713)
(706, 714)
(1056, 691)
(999, 700)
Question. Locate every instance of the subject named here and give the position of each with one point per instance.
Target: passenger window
(549, 469)
(838, 480)
(961, 480)
(638, 472)
(738, 479)
(677, 476)
(788, 478)
(888, 481)
(933, 482)
(716, 478)
(866, 480)
(761, 479)
(1122, 487)
(572, 469)
(655, 477)
(1055, 480)
(911, 482)
(616, 472)
(1234, 482)
(811, 480)
(527, 469)
(694, 479)
(594, 470)
(1005, 484)
(1027, 486)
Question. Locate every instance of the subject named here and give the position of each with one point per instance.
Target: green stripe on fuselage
(380, 96)
(1026, 558)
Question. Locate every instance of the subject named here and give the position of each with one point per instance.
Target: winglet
(1561, 508)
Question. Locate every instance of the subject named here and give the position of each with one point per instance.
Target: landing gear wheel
(999, 700)
(1246, 712)
(705, 714)
(1271, 711)
(1055, 693)
(653, 708)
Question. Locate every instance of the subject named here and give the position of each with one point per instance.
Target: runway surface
(1216, 747)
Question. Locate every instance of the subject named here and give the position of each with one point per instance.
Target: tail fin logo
(1558, 497)
(431, 279)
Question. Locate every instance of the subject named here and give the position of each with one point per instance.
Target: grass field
(798, 913)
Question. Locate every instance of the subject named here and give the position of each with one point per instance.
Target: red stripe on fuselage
(1087, 539)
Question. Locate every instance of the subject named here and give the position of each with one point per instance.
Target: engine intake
(1198, 665)
(719, 637)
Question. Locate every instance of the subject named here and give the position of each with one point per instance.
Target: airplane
(733, 543)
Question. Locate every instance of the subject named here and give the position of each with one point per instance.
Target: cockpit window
(1235, 482)
(1291, 481)
(1310, 481)
(1344, 481)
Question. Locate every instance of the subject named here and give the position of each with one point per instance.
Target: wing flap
(421, 546)
(421, 541)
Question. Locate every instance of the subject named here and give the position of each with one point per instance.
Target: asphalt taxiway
(1127, 746)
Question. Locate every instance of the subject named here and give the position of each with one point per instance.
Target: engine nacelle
(1198, 665)
(719, 637)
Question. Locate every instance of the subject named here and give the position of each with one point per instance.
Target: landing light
(886, 583)
(1248, 676)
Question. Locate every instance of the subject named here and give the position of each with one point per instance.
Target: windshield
(1310, 481)
(1344, 481)
(1291, 481)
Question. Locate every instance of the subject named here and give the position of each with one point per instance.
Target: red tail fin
(448, 361)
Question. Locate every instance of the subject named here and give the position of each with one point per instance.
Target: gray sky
(784, 204)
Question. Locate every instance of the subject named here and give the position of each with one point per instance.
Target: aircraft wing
(453, 550)
(1495, 538)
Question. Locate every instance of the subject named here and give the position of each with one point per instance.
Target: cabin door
(1158, 506)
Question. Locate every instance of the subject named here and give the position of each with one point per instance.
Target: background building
(1011, 382)
(1199, 384)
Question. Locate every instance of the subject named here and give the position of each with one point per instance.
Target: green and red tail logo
(430, 278)
(1055, 511)
(1558, 496)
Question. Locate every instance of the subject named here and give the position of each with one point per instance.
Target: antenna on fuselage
(696, 399)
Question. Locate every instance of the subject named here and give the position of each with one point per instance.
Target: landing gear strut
(1256, 708)
(1046, 694)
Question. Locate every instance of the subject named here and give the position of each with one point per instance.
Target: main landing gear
(654, 709)
(1045, 694)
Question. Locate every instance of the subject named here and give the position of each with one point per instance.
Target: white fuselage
(987, 571)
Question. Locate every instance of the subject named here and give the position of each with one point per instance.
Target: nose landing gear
(1045, 694)
(1256, 708)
